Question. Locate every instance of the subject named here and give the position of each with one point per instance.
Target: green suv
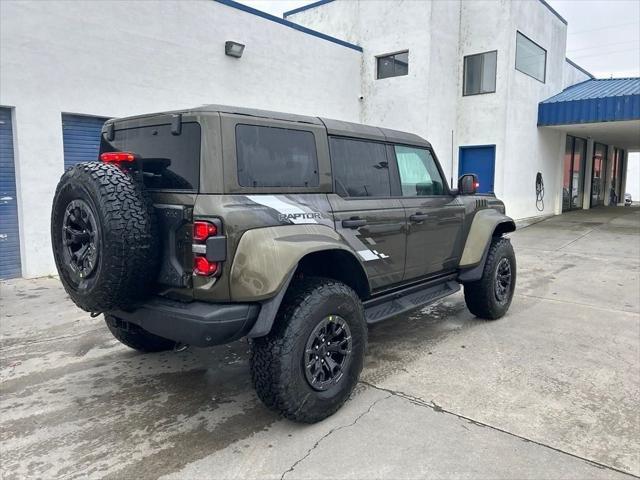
(203, 226)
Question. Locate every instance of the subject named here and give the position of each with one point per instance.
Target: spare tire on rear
(104, 237)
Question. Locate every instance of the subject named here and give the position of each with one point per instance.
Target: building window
(480, 73)
(360, 168)
(394, 65)
(276, 157)
(531, 58)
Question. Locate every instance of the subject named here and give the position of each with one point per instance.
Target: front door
(366, 215)
(481, 161)
(434, 216)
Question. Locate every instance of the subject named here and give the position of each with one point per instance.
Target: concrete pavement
(550, 391)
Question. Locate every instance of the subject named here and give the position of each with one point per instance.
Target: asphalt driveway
(550, 391)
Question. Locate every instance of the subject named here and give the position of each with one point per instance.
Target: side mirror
(468, 184)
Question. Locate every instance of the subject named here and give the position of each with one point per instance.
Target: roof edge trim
(305, 7)
(287, 23)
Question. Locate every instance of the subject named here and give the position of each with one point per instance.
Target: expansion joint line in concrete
(437, 408)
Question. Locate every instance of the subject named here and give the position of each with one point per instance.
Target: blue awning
(596, 100)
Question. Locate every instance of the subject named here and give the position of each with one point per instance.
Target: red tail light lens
(203, 230)
(202, 266)
(477, 185)
(117, 157)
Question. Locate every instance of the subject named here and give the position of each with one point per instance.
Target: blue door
(81, 138)
(9, 230)
(480, 160)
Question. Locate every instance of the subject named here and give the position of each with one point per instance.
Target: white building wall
(528, 149)
(115, 59)
(424, 101)
(633, 176)
(573, 75)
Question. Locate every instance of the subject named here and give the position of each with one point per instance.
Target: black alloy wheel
(503, 280)
(327, 353)
(80, 240)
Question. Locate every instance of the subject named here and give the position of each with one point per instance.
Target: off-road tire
(128, 250)
(136, 337)
(480, 296)
(276, 359)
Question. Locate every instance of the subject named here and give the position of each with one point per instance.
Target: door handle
(418, 217)
(354, 222)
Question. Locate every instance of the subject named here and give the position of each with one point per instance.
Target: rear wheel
(309, 363)
(136, 337)
(490, 297)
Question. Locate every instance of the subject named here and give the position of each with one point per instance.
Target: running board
(392, 304)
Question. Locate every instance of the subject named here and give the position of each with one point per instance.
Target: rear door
(434, 216)
(365, 212)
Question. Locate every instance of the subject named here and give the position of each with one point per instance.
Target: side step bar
(395, 303)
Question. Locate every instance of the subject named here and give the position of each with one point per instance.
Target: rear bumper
(199, 324)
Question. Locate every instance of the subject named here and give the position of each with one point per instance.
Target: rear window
(170, 162)
(276, 157)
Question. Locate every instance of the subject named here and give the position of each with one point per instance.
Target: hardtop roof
(334, 127)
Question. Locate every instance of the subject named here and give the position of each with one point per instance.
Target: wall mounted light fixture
(233, 49)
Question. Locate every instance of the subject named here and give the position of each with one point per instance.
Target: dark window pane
(393, 65)
(168, 161)
(419, 174)
(472, 74)
(401, 63)
(385, 67)
(480, 73)
(530, 58)
(360, 168)
(276, 157)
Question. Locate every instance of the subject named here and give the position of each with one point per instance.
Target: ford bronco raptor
(203, 226)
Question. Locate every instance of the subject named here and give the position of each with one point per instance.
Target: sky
(603, 36)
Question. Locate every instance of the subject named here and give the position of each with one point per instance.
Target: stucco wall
(573, 75)
(114, 59)
(424, 101)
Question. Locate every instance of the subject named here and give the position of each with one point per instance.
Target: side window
(419, 174)
(360, 168)
(276, 157)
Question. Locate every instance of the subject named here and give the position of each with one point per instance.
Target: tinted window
(168, 161)
(360, 168)
(480, 73)
(393, 65)
(276, 157)
(530, 57)
(419, 174)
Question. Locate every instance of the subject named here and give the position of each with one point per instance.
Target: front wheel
(310, 362)
(490, 297)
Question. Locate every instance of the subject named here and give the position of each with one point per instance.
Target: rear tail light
(202, 266)
(202, 231)
(117, 157)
